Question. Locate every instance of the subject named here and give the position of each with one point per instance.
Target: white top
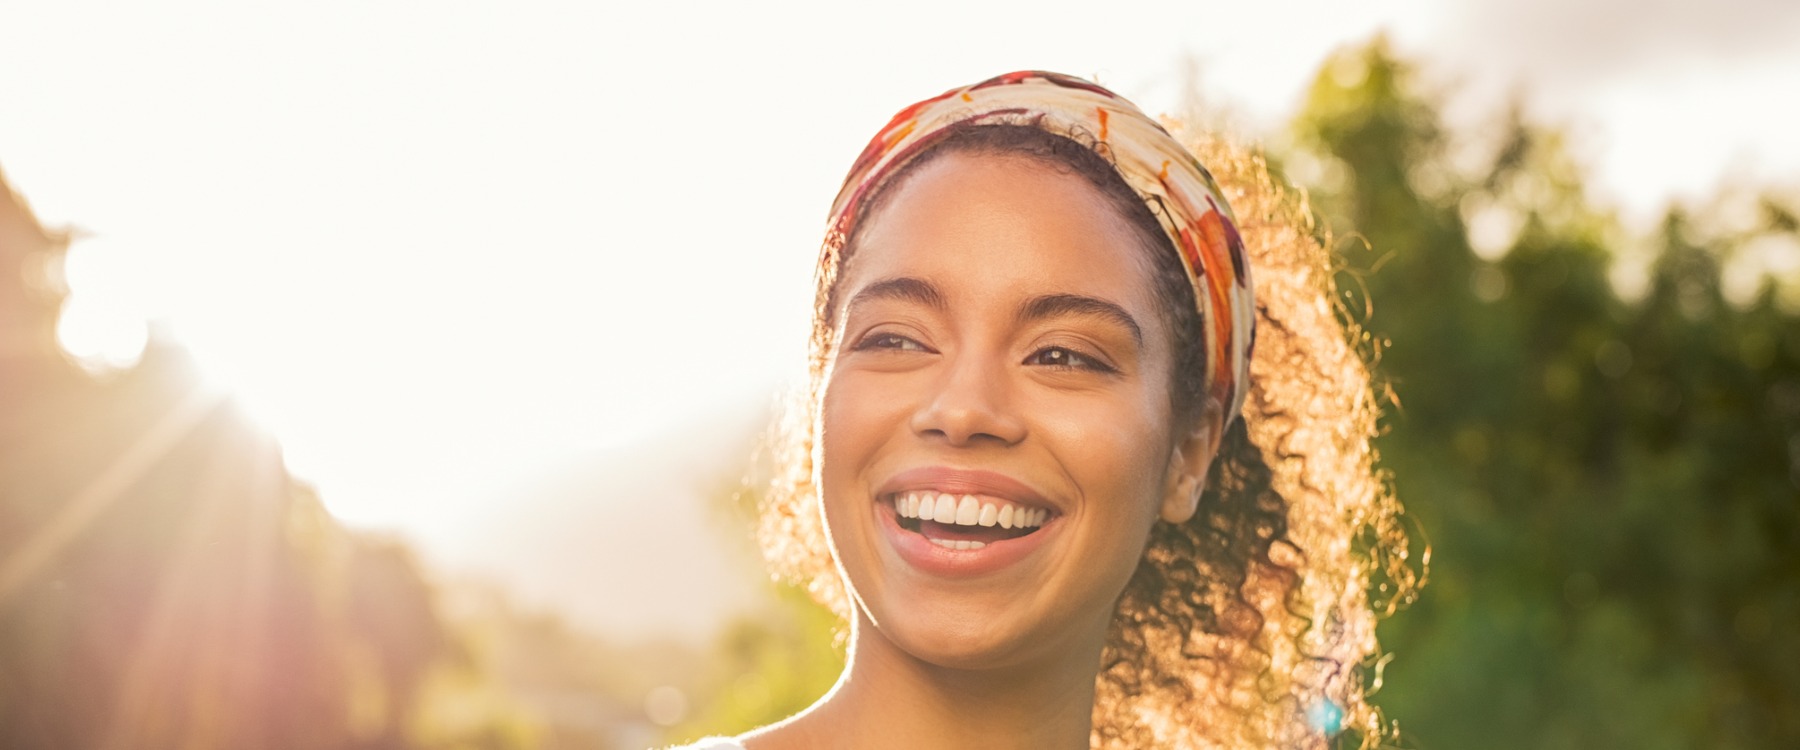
(712, 743)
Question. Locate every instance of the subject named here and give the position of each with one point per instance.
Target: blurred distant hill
(634, 543)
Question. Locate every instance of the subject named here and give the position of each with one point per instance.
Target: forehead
(988, 226)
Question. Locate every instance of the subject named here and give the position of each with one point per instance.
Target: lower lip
(921, 553)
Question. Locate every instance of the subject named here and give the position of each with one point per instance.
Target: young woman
(1073, 478)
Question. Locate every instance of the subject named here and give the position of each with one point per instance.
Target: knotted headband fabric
(1178, 190)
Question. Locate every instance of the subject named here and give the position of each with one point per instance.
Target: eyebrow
(920, 291)
(1054, 305)
(904, 289)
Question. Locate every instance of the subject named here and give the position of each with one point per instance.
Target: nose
(970, 405)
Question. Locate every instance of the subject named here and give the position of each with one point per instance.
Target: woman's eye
(889, 341)
(1065, 358)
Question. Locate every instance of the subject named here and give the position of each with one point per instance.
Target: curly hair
(1252, 624)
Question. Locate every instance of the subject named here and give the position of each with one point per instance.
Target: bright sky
(437, 246)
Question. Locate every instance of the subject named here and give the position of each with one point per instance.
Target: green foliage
(1611, 485)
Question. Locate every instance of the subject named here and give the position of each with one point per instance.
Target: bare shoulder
(792, 734)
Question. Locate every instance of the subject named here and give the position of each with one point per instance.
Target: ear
(1193, 454)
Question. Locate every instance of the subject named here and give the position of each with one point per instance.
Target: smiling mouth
(964, 522)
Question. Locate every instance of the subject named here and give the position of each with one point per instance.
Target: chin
(961, 636)
(966, 626)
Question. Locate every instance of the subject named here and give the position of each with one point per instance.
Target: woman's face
(995, 435)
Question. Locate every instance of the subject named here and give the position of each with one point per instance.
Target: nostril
(971, 427)
(969, 406)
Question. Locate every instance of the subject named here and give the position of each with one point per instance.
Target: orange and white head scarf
(1178, 190)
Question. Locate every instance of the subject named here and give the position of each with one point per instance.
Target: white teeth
(959, 544)
(968, 512)
(945, 509)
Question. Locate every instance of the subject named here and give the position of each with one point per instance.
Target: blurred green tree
(1610, 482)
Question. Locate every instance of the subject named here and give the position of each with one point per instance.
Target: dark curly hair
(1252, 623)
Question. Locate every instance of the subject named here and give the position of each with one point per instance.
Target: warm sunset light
(354, 245)
(481, 308)
(101, 328)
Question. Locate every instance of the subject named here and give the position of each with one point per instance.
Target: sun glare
(99, 337)
(102, 326)
(112, 306)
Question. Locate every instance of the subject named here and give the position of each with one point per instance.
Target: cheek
(1117, 448)
(850, 425)
(857, 421)
(1117, 453)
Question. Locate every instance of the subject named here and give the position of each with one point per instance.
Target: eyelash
(1070, 355)
(1093, 363)
(873, 341)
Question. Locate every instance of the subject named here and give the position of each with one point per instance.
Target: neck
(887, 698)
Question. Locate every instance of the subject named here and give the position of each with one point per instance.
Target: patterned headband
(1178, 190)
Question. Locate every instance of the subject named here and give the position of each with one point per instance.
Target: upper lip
(954, 481)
